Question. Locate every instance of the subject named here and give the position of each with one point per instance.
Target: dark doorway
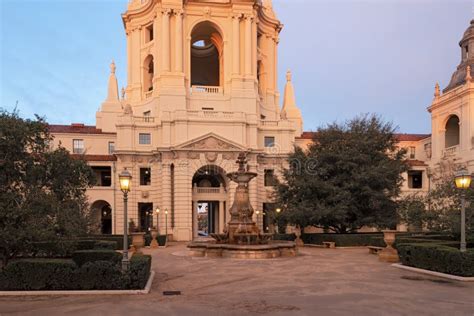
(106, 220)
(145, 216)
(208, 217)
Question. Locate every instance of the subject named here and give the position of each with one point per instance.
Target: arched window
(206, 55)
(451, 136)
(148, 73)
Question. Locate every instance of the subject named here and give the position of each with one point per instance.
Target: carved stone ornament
(193, 155)
(211, 156)
(228, 156)
(211, 143)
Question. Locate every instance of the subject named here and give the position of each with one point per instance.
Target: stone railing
(209, 190)
(206, 90)
(144, 119)
(148, 94)
(268, 123)
(450, 151)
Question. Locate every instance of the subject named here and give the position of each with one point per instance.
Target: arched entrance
(209, 201)
(101, 213)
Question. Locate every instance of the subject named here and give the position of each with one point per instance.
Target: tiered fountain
(242, 237)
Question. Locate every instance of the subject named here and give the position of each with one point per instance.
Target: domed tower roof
(467, 58)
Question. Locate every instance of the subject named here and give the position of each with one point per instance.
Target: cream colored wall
(94, 144)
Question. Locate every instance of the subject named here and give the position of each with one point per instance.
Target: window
(415, 179)
(77, 146)
(146, 116)
(111, 148)
(412, 152)
(144, 139)
(149, 33)
(145, 176)
(103, 176)
(148, 74)
(269, 178)
(269, 141)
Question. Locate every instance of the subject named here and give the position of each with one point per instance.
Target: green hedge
(59, 248)
(81, 257)
(439, 258)
(346, 240)
(118, 239)
(286, 237)
(64, 274)
(105, 244)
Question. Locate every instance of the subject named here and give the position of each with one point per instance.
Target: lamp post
(158, 221)
(257, 212)
(125, 179)
(462, 179)
(166, 222)
(278, 210)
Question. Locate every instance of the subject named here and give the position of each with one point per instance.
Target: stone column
(179, 41)
(236, 44)
(248, 45)
(221, 217)
(165, 38)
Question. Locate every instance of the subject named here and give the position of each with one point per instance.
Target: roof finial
(288, 75)
(437, 91)
(112, 67)
(468, 73)
(123, 93)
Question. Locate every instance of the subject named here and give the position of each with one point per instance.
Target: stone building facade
(202, 87)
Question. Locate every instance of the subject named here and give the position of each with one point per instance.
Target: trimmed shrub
(64, 274)
(37, 274)
(287, 237)
(139, 273)
(161, 240)
(147, 238)
(116, 238)
(105, 244)
(439, 258)
(83, 256)
(415, 240)
(346, 240)
(59, 248)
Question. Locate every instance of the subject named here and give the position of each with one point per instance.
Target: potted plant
(162, 240)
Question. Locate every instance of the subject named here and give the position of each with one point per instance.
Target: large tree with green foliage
(348, 178)
(42, 191)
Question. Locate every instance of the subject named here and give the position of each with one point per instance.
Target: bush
(287, 237)
(162, 239)
(37, 274)
(437, 258)
(116, 238)
(83, 256)
(59, 248)
(140, 266)
(346, 240)
(105, 244)
(64, 274)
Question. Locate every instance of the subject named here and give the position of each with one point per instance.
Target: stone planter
(298, 241)
(389, 254)
(153, 243)
(138, 241)
(162, 240)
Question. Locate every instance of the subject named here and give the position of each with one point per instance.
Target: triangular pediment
(210, 141)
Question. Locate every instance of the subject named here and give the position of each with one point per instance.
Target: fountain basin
(274, 249)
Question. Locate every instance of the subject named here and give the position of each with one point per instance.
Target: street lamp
(166, 222)
(125, 179)
(462, 179)
(278, 210)
(158, 221)
(257, 212)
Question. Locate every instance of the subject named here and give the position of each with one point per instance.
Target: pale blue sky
(347, 57)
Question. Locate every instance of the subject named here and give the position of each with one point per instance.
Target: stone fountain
(242, 237)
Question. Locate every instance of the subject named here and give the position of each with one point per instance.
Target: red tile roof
(399, 137)
(76, 128)
(95, 157)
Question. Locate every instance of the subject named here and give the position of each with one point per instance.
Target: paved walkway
(318, 282)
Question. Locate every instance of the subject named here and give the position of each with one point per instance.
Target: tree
(42, 191)
(348, 178)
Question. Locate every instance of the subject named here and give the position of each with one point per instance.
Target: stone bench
(374, 250)
(329, 244)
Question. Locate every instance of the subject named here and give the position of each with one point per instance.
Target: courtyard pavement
(317, 282)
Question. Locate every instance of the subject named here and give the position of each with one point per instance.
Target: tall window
(412, 152)
(451, 137)
(269, 178)
(144, 139)
(111, 148)
(145, 176)
(77, 146)
(149, 33)
(269, 141)
(148, 73)
(415, 179)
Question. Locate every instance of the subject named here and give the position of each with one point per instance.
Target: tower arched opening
(206, 55)
(451, 136)
(148, 73)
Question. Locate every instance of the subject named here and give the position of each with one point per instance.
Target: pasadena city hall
(201, 88)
